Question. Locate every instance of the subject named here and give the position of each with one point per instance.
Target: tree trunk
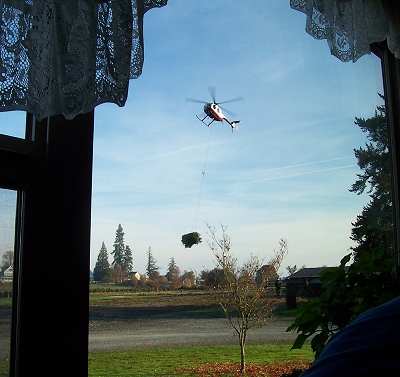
(242, 354)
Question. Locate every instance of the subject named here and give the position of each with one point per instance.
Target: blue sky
(284, 173)
(8, 202)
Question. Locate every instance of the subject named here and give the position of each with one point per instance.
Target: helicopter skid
(202, 120)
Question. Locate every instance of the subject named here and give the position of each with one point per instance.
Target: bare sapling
(245, 295)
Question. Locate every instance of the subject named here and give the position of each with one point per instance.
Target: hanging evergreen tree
(119, 247)
(102, 268)
(151, 267)
(127, 262)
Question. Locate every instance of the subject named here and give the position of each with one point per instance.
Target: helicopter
(213, 112)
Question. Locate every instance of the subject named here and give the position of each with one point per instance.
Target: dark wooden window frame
(391, 84)
(52, 171)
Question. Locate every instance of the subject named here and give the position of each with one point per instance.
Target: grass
(5, 302)
(101, 297)
(158, 299)
(292, 313)
(115, 299)
(164, 361)
(4, 368)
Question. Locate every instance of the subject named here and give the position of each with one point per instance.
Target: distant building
(305, 281)
(267, 272)
(134, 275)
(6, 274)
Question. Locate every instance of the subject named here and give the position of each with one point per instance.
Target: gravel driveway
(150, 333)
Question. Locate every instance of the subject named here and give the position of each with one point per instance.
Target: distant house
(267, 272)
(305, 281)
(134, 275)
(6, 274)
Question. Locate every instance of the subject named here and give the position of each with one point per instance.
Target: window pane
(8, 199)
(12, 123)
(285, 172)
(288, 168)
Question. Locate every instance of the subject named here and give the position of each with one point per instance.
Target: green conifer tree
(127, 261)
(374, 227)
(151, 266)
(119, 247)
(173, 270)
(102, 268)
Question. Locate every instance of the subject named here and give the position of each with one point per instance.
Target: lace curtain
(68, 56)
(350, 26)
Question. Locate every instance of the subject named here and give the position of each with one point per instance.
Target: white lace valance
(67, 56)
(350, 26)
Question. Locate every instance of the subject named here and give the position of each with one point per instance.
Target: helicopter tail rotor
(234, 124)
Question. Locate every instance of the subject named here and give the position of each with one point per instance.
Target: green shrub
(367, 283)
(191, 239)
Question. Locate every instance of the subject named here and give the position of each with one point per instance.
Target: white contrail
(294, 175)
(286, 167)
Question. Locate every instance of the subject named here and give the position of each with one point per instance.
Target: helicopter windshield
(216, 108)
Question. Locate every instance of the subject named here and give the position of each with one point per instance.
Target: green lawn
(163, 361)
(5, 302)
(4, 368)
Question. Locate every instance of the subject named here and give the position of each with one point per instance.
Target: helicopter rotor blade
(194, 100)
(231, 113)
(211, 89)
(232, 100)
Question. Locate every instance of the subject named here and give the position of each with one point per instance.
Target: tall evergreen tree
(374, 226)
(127, 261)
(119, 247)
(151, 266)
(174, 274)
(173, 270)
(171, 267)
(102, 268)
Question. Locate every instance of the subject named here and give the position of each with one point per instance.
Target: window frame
(52, 170)
(391, 83)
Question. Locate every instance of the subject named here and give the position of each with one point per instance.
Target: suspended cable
(196, 213)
